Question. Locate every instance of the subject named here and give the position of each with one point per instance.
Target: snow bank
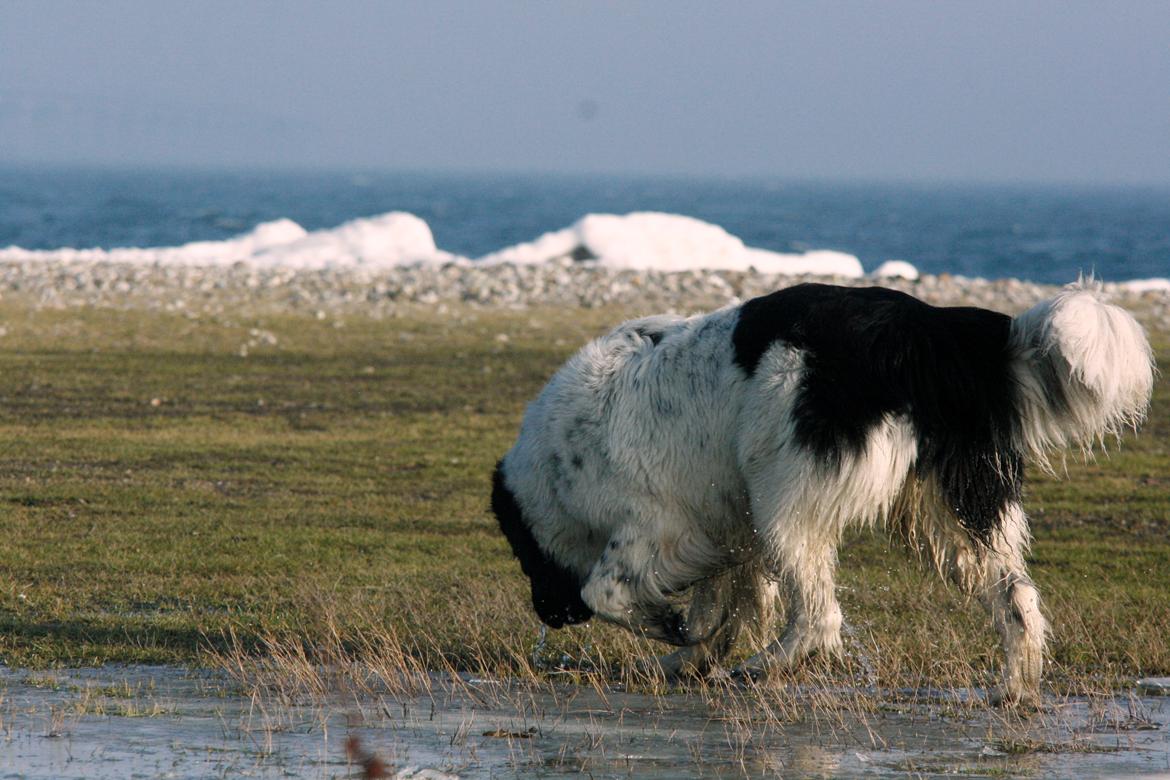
(642, 240)
(1146, 285)
(667, 242)
(388, 240)
(391, 239)
(895, 269)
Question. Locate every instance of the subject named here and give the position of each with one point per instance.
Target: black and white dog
(727, 453)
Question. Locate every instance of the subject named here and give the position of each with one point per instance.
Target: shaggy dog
(727, 453)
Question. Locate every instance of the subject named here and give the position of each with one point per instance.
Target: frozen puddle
(151, 722)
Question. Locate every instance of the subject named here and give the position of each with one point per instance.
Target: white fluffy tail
(1084, 371)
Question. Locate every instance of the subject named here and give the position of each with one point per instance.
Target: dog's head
(556, 590)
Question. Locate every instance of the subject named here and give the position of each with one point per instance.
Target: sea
(1042, 233)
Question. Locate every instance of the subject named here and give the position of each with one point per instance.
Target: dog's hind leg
(997, 575)
(1009, 595)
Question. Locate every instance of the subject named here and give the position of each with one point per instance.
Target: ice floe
(667, 242)
(1146, 285)
(648, 241)
(895, 269)
(392, 239)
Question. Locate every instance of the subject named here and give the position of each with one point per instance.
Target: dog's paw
(668, 625)
(1021, 701)
(749, 673)
(669, 669)
(675, 630)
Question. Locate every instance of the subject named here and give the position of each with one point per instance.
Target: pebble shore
(387, 291)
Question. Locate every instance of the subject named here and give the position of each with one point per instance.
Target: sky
(978, 91)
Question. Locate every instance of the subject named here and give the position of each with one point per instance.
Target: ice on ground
(392, 239)
(667, 242)
(895, 269)
(206, 724)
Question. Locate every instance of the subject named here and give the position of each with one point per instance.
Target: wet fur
(727, 453)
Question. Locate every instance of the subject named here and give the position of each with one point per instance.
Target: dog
(725, 454)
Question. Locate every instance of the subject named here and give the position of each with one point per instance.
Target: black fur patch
(873, 351)
(556, 591)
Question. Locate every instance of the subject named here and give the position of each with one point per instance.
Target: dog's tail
(1083, 369)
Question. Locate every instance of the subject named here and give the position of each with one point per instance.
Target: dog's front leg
(726, 605)
(714, 610)
(627, 586)
(814, 617)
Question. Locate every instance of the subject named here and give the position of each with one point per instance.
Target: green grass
(161, 492)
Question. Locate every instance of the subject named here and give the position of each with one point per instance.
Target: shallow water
(128, 722)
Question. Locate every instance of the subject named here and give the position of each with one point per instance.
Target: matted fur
(727, 453)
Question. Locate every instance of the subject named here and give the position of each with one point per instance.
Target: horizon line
(376, 169)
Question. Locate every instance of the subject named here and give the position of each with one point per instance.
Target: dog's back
(871, 354)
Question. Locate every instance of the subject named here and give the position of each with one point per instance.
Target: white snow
(895, 269)
(396, 238)
(391, 239)
(642, 240)
(667, 242)
(1146, 285)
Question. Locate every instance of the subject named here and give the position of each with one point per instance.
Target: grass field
(172, 486)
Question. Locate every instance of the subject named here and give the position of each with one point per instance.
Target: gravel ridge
(560, 283)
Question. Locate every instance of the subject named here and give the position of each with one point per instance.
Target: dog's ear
(556, 591)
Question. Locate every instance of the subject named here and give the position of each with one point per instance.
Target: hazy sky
(895, 90)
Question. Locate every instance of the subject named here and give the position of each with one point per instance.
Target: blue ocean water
(1041, 233)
